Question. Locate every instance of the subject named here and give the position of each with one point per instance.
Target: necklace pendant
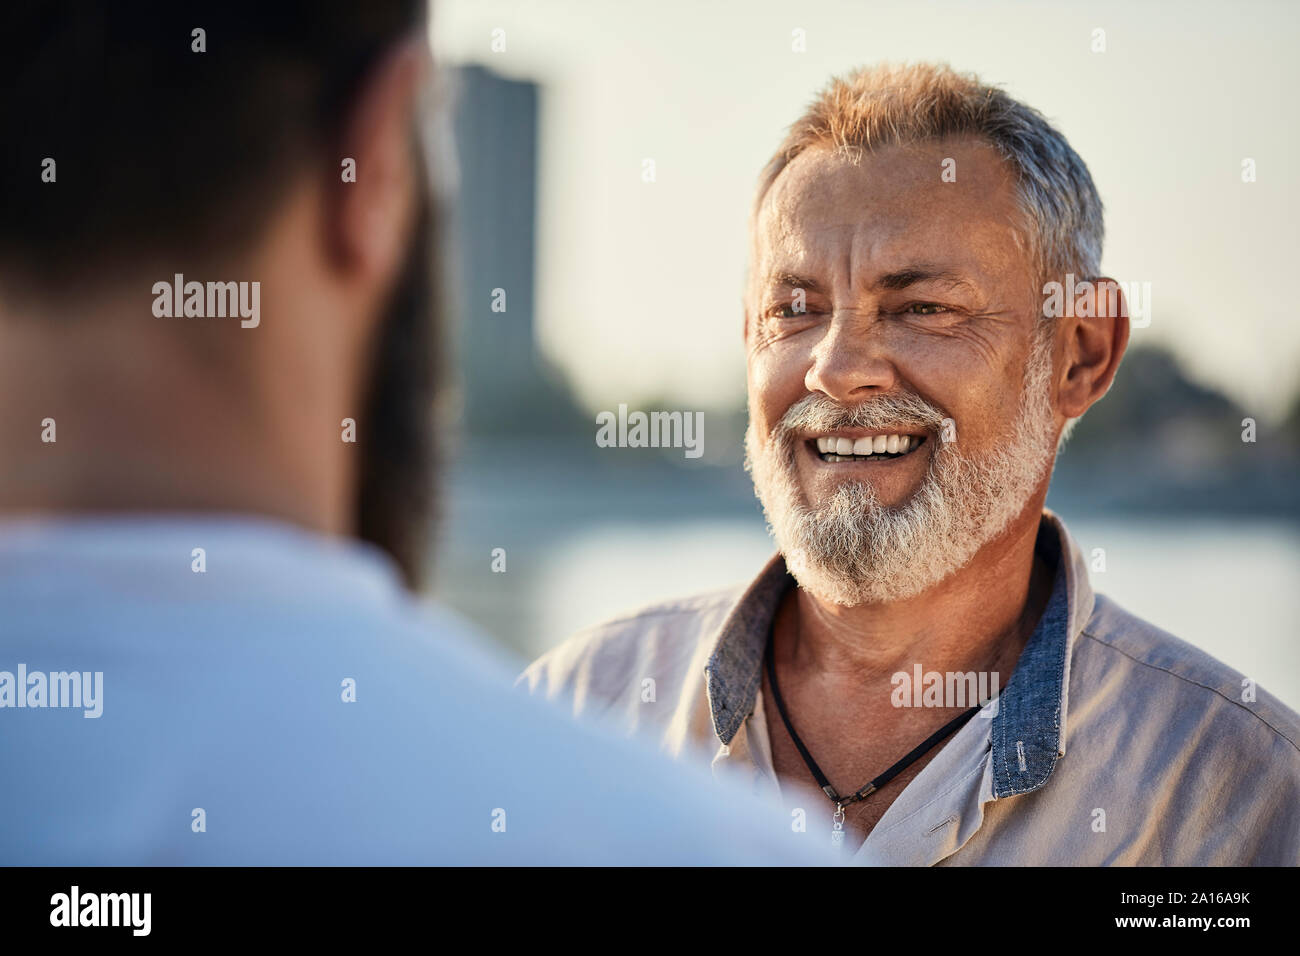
(837, 827)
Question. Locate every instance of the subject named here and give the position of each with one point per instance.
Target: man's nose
(851, 361)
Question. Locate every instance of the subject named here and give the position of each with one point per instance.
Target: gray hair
(895, 105)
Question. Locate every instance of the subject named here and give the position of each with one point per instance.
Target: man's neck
(140, 423)
(837, 667)
(977, 619)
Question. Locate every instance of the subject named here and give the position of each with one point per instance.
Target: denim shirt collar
(1028, 732)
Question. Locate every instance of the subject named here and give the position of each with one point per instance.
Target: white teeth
(874, 445)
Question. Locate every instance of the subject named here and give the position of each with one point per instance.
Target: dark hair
(160, 151)
(158, 146)
(396, 502)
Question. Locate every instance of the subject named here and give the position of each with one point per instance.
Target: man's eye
(925, 308)
(786, 312)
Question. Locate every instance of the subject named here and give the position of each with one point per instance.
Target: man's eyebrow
(790, 280)
(914, 274)
(893, 281)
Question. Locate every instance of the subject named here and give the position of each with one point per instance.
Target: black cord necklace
(837, 824)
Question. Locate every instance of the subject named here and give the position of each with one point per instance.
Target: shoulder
(598, 664)
(1210, 758)
(1161, 660)
(1185, 680)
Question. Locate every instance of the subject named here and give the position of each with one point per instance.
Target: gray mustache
(818, 413)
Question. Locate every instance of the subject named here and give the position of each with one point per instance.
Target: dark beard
(396, 497)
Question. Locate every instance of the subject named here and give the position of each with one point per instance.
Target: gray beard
(853, 550)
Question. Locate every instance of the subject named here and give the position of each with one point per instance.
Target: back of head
(167, 128)
(153, 140)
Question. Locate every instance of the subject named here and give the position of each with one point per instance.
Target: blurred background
(606, 157)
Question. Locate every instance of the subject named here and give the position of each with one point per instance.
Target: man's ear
(369, 226)
(1094, 344)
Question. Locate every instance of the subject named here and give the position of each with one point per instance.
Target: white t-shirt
(292, 704)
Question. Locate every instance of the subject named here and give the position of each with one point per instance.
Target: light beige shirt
(1113, 742)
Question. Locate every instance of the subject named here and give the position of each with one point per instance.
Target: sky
(639, 283)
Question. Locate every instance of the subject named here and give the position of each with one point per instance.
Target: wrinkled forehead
(848, 214)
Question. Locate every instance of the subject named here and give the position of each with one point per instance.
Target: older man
(910, 377)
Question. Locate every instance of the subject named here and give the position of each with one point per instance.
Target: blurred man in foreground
(216, 380)
(925, 319)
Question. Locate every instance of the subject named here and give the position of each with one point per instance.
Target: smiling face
(899, 376)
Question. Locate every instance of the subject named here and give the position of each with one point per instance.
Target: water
(582, 547)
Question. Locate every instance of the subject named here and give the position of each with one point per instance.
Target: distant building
(506, 386)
